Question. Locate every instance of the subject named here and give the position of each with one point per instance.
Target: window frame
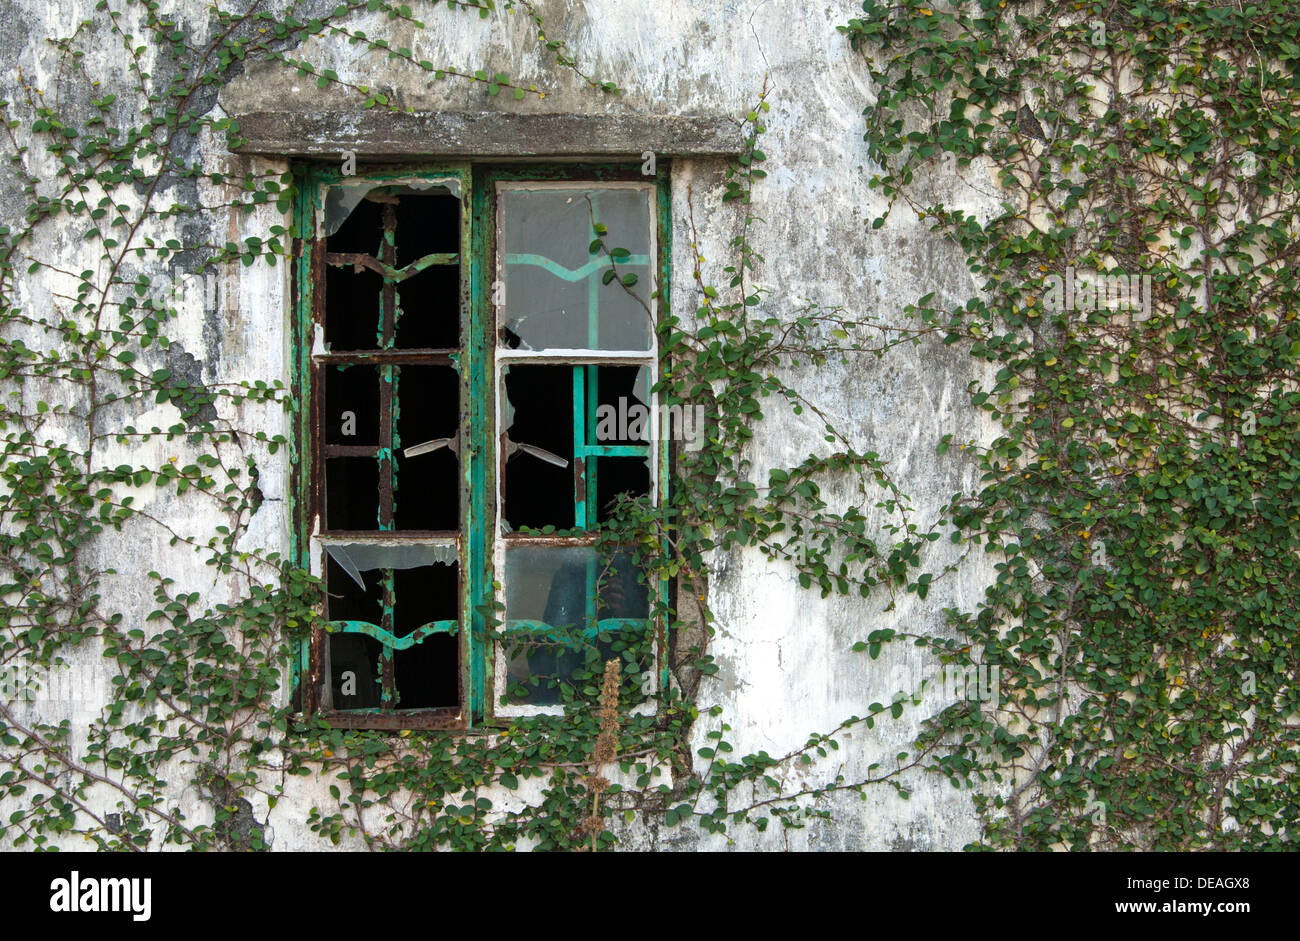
(480, 540)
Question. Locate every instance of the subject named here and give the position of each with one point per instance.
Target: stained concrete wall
(786, 664)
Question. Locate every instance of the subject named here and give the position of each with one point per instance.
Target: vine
(1139, 496)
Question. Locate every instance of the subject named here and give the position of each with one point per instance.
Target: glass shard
(369, 557)
(342, 201)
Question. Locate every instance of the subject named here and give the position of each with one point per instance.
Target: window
(475, 350)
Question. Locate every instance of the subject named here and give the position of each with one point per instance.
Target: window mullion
(387, 671)
(387, 396)
(478, 343)
(581, 480)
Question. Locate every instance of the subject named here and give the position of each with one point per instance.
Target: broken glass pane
(357, 559)
(556, 293)
(538, 479)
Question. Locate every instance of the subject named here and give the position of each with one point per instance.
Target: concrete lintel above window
(486, 134)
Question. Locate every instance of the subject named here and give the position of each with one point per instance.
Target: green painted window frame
(476, 364)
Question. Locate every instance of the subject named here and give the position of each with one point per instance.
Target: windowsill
(429, 720)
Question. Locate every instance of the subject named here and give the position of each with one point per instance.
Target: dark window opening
(428, 673)
(616, 477)
(348, 601)
(622, 411)
(352, 299)
(427, 224)
(427, 479)
(354, 663)
(428, 309)
(538, 478)
(351, 493)
(352, 405)
(424, 595)
(362, 230)
(402, 590)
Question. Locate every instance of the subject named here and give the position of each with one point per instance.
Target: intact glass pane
(555, 295)
(567, 612)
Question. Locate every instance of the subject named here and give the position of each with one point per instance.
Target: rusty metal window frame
(478, 544)
(314, 543)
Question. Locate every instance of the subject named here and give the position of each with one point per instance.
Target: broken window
(575, 325)
(476, 351)
(386, 325)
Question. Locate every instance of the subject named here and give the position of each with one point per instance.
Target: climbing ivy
(1138, 491)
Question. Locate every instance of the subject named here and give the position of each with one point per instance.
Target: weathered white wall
(787, 667)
